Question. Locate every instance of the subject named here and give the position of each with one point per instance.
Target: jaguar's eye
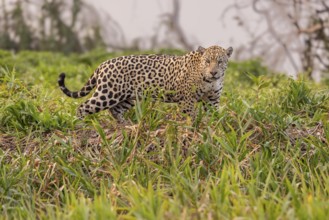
(220, 61)
(207, 61)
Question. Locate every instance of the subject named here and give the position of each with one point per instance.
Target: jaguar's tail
(78, 94)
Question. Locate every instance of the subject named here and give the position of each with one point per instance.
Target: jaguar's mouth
(210, 79)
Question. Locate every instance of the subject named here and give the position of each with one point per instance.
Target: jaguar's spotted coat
(188, 79)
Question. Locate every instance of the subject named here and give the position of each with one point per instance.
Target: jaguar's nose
(213, 73)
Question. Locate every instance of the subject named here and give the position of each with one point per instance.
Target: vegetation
(264, 154)
(304, 43)
(58, 26)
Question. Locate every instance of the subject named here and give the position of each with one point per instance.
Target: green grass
(263, 155)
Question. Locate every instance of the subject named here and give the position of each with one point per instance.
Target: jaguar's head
(214, 61)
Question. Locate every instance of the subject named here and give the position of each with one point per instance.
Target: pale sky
(201, 20)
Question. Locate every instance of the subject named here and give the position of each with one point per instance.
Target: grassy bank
(264, 154)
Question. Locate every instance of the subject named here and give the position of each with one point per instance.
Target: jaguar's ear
(201, 50)
(229, 51)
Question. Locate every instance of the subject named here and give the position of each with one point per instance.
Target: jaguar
(196, 76)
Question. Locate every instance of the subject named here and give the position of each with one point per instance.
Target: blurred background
(288, 36)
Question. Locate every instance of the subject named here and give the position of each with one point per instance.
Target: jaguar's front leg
(211, 100)
(188, 105)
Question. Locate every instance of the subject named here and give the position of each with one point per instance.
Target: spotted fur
(186, 80)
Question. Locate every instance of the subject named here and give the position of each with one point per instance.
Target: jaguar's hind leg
(95, 104)
(118, 110)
